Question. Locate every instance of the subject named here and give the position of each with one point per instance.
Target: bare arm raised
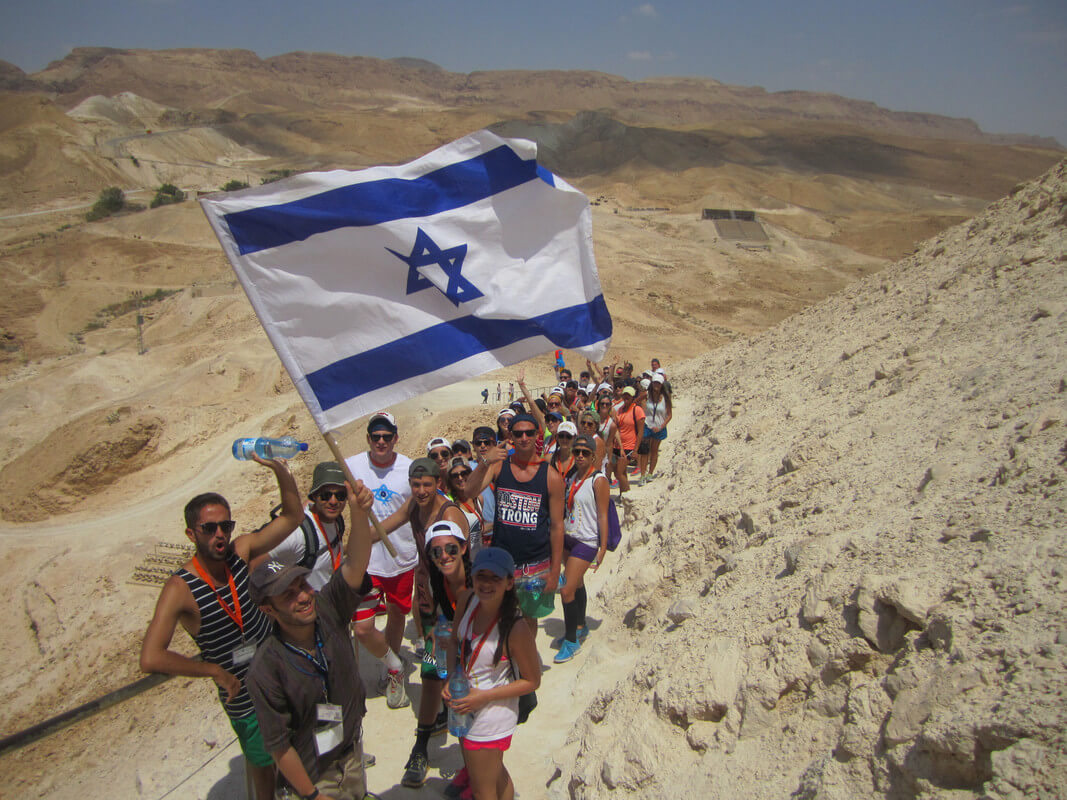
(251, 545)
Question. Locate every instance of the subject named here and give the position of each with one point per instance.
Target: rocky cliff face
(853, 580)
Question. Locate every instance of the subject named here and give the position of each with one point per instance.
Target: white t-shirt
(391, 490)
(293, 548)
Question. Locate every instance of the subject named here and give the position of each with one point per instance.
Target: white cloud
(646, 10)
(639, 55)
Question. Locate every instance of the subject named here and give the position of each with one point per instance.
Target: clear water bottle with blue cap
(442, 633)
(264, 447)
(459, 724)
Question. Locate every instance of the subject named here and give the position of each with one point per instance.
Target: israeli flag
(379, 285)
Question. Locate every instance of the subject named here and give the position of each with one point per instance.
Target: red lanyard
(563, 472)
(478, 648)
(335, 557)
(574, 491)
(233, 613)
(473, 508)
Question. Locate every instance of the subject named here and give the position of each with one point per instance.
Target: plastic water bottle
(442, 632)
(286, 447)
(459, 725)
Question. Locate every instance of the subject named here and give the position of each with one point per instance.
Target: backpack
(312, 543)
(614, 527)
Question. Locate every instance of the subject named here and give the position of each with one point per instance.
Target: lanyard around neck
(233, 612)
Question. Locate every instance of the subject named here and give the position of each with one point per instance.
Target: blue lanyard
(321, 665)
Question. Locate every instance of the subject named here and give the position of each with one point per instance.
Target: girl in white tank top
(498, 674)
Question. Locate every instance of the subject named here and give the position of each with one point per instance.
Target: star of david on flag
(379, 285)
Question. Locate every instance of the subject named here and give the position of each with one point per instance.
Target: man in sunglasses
(385, 473)
(316, 544)
(529, 510)
(209, 597)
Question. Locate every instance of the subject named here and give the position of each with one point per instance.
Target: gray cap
(421, 467)
(327, 473)
(273, 578)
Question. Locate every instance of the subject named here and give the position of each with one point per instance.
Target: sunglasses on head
(337, 494)
(530, 432)
(381, 437)
(209, 528)
(438, 550)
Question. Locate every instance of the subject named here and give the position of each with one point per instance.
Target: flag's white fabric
(378, 285)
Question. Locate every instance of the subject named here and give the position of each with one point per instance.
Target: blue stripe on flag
(375, 202)
(449, 342)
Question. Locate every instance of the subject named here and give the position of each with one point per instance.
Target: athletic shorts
(650, 435)
(535, 605)
(395, 591)
(496, 744)
(578, 549)
(251, 740)
(619, 453)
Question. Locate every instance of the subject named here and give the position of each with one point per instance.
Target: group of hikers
(482, 535)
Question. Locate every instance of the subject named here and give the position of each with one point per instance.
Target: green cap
(421, 467)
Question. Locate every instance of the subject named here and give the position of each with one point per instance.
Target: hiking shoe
(567, 651)
(415, 771)
(459, 785)
(395, 696)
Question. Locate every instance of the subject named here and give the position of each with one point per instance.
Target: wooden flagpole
(335, 448)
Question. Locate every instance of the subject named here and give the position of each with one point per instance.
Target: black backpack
(312, 543)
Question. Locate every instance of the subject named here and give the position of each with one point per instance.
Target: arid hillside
(108, 426)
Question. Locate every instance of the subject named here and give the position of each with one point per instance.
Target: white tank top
(498, 718)
(581, 521)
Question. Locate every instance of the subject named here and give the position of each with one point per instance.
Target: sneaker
(369, 760)
(459, 784)
(415, 771)
(395, 696)
(440, 724)
(583, 633)
(567, 651)
(614, 483)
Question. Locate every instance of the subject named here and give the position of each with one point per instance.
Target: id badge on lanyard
(330, 737)
(242, 654)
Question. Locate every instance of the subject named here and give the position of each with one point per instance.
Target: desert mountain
(938, 371)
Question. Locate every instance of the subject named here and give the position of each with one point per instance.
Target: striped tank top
(219, 635)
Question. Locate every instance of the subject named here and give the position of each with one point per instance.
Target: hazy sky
(1004, 65)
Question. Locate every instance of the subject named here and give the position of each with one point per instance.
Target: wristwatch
(312, 796)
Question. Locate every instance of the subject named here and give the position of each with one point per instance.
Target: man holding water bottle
(529, 514)
(209, 597)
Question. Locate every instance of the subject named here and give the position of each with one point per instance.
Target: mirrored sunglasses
(439, 550)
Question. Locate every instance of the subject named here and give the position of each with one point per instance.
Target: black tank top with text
(522, 524)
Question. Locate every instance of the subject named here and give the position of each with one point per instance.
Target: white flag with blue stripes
(379, 285)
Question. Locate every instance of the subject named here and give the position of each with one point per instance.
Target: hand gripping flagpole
(335, 448)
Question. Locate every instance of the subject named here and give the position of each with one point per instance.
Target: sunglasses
(554, 405)
(460, 473)
(209, 528)
(484, 442)
(336, 494)
(564, 435)
(525, 432)
(439, 550)
(440, 455)
(581, 452)
(589, 423)
(381, 437)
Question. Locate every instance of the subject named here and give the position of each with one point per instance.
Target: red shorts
(496, 744)
(395, 591)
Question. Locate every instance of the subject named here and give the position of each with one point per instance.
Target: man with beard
(304, 680)
(317, 543)
(209, 597)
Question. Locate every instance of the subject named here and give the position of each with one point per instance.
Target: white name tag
(328, 712)
(328, 738)
(243, 653)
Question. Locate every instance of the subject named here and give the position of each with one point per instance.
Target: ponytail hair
(509, 615)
